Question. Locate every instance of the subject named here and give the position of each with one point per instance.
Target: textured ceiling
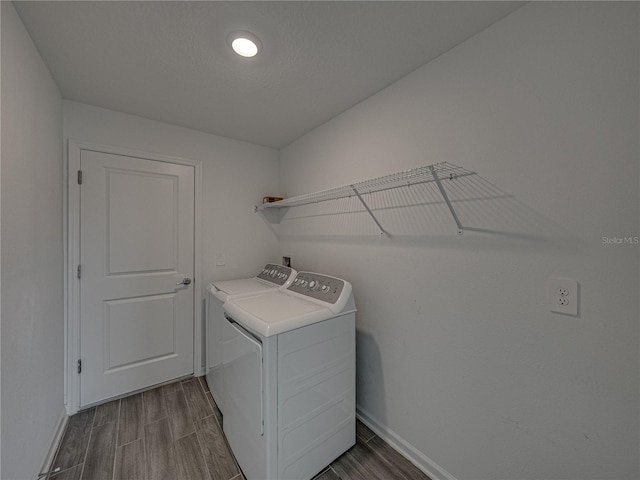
(169, 61)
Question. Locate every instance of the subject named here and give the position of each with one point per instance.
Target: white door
(136, 249)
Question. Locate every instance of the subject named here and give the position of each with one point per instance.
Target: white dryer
(289, 378)
(270, 278)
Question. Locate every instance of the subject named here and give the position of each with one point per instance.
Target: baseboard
(56, 438)
(419, 459)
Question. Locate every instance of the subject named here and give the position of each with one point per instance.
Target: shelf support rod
(446, 198)
(382, 230)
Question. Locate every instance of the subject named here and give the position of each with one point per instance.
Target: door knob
(185, 281)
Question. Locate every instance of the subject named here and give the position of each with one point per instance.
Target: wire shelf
(416, 176)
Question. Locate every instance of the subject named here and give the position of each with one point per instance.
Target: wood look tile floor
(174, 432)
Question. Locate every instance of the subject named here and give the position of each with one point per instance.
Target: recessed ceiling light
(245, 44)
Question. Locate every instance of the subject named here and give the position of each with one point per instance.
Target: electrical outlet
(220, 259)
(562, 295)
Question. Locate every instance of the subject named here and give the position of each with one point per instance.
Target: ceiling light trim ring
(244, 44)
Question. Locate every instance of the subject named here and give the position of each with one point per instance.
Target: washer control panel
(277, 274)
(315, 285)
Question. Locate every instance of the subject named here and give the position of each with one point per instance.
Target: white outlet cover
(567, 304)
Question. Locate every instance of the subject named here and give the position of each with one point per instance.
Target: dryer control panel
(320, 287)
(276, 274)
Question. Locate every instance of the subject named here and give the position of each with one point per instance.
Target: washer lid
(275, 312)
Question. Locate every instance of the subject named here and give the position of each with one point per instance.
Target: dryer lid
(243, 286)
(271, 277)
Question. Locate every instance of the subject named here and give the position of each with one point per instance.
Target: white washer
(289, 378)
(270, 278)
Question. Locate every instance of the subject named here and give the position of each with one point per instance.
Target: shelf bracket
(382, 230)
(446, 198)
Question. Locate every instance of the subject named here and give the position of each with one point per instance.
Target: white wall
(459, 359)
(32, 254)
(236, 175)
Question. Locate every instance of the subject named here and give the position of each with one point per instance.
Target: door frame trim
(72, 260)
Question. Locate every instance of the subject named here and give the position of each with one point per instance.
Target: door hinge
(79, 271)
(79, 366)
(79, 177)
